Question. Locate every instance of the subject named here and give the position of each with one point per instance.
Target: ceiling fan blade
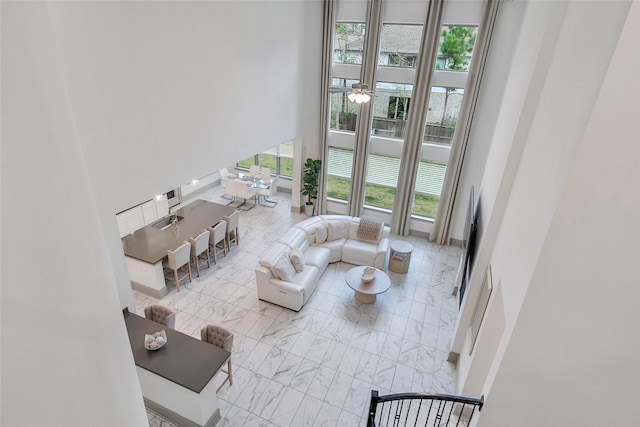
(340, 89)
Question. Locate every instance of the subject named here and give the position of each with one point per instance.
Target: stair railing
(421, 409)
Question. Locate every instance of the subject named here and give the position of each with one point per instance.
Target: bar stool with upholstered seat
(200, 250)
(220, 337)
(176, 260)
(217, 237)
(161, 314)
(232, 228)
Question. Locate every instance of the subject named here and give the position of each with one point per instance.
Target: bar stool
(220, 337)
(177, 259)
(200, 250)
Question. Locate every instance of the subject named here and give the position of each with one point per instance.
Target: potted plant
(310, 183)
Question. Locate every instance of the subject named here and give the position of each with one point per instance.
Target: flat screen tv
(468, 243)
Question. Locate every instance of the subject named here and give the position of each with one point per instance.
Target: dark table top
(184, 360)
(150, 244)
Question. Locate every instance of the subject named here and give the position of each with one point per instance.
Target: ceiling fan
(358, 92)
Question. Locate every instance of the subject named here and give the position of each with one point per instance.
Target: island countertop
(150, 244)
(183, 360)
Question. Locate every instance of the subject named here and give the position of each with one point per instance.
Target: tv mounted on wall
(468, 243)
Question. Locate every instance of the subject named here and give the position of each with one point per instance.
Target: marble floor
(317, 367)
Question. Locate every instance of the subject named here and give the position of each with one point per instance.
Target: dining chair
(265, 174)
(222, 338)
(176, 260)
(217, 236)
(232, 234)
(254, 171)
(224, 173)
(161, 314)
(265, 193)
(200, 250)
(246, 192)
(229, 188)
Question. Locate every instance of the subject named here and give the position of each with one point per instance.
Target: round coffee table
(366, 291)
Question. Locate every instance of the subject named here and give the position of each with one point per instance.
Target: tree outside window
(348, 43)
(456, 47)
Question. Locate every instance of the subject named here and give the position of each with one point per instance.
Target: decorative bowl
(155, 341)
(368, 274)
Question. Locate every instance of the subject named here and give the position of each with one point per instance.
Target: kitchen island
(144, 249)
(176, 380)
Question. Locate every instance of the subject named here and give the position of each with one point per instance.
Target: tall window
(398, 55)
(278, 158)
(454, 56)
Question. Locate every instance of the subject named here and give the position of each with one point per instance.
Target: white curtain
(442, 225)
(363, 123)
(327, 59)
(410, 160)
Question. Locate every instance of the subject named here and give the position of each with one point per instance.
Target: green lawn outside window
(379, 196)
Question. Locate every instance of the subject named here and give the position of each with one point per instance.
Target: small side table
(400, 256)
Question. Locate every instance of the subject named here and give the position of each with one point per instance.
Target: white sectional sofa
(289, 272)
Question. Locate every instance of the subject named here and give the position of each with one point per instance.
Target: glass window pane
(443, 113)
(456, 47)
(339, 165)
(429, 182)
(268, 161)
(286, 166)
(391, 109)
(348, 43)
(343, 112)
(286, 158)
(247, 163)
(382, 179)
(399, 45)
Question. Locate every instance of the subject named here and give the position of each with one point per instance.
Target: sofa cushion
(318, 256)
(308, 279)
(271, 256)
(335, 230)
(309, 227)
(284, 270)
(296, 239)
(297, 259)
(321, 233)
(335, 247)
(358, 252)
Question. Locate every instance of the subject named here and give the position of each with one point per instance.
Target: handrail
(449, 408)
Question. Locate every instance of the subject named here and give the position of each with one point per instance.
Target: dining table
(146, 248)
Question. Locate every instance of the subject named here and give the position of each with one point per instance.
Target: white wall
(66, 358)
(164, 92)
(574, 350)
(555, 199)
(167, 91)
(104, 105)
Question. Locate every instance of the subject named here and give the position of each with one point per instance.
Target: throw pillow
(335, 230)
(321, 233)
(297, 259)
(284, 268)
(369, 228)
